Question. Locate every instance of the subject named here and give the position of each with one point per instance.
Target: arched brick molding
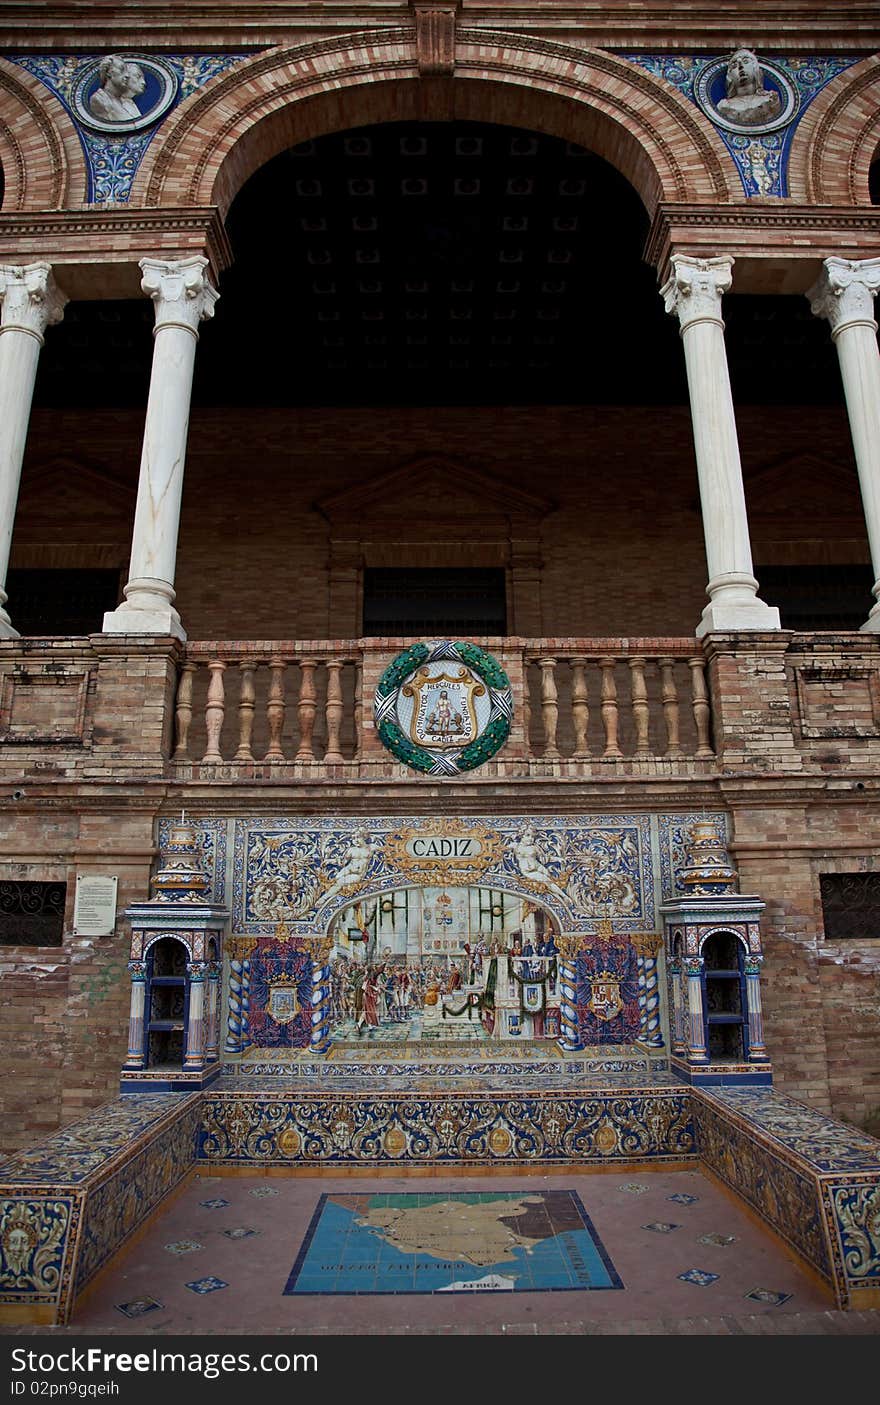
(43, 162)
(642, 125)
(838, 138)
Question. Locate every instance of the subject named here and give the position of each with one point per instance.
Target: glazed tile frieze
(417, 1130)
(305, 871)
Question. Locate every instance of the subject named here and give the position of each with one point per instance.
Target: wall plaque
(94, 912)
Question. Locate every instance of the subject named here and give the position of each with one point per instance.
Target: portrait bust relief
(121, 82)
(742, 94)
(748, 101)
(123, 93)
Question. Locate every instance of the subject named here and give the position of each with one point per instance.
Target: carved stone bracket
(435, 36)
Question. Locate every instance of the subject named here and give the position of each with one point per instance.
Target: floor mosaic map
(484, 1241)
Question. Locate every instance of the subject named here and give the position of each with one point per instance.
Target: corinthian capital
(844, 292)
(695, 287)
(182, 294)
(31, 299)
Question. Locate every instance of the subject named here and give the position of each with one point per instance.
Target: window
(31, 913)
(818, 597)
(850, 905)
(433, 601)
(49, 601)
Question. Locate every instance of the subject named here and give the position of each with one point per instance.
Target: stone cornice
(850, 25)
(777, 245)
(95, 251)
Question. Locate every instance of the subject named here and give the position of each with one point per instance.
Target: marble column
(212, 1022)
(844, 295)
(693, 294)
(30, 301)
(183, 297)
(679, 1044)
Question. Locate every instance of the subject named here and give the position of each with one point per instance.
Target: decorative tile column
(647, 946)
(183, 297)
(693, 294)
(30, 301)
(212, 1013)
(319, 1041)
(844, 295)
(569, 1034)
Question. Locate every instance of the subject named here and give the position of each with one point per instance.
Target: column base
(872, 623)
(6, 629)
(729, 617)
(128, 620)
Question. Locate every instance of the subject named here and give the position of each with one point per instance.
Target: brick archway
(836, 142)
(41, 156)
(638, 123)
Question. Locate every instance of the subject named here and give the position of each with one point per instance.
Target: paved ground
(246, 1233)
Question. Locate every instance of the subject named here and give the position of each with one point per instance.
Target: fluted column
(194, 1056)
(844, 295)
(693, 294)
(757, 1047)
(212, 1022)
(30, 302)
(183, 297)
(697, 1053)
(135, 1056)
(679, 1043)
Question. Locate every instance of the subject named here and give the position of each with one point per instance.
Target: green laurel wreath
(487, 669)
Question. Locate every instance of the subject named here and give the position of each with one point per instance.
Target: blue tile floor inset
(468, 1242)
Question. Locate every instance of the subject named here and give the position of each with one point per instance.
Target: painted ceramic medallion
(443, 707)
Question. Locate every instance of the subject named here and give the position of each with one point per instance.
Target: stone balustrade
(580, 703)
(82, 708)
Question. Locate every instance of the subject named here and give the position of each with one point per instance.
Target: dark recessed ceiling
(438, 263)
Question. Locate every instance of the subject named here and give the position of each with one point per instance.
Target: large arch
(41, 155)
(833, 147)
(640, 124)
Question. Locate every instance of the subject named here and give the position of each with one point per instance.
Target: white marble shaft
(844, 294)
(183, 297)
(693, 294)
(30, 301)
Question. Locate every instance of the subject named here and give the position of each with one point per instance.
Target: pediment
(434, 488)
(71, 488)
(803, 487)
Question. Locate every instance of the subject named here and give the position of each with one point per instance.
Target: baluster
(669, 694)
(215, 711)
(245, 712)
(527, 706)
(275, 708)
(639, 699)
(700, 704)
(306, 708)
(183, 712)
(358, 702)
(333, 712)
(549, 707)
(609, 708)
(580, 708)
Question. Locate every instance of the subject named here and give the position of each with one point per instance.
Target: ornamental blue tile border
(112, 159)
(761, 160)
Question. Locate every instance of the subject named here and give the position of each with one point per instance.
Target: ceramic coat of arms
(443, 707)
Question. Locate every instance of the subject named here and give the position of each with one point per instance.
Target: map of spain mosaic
(530, 1241)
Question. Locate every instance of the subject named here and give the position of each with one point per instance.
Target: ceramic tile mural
(533, 1241)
